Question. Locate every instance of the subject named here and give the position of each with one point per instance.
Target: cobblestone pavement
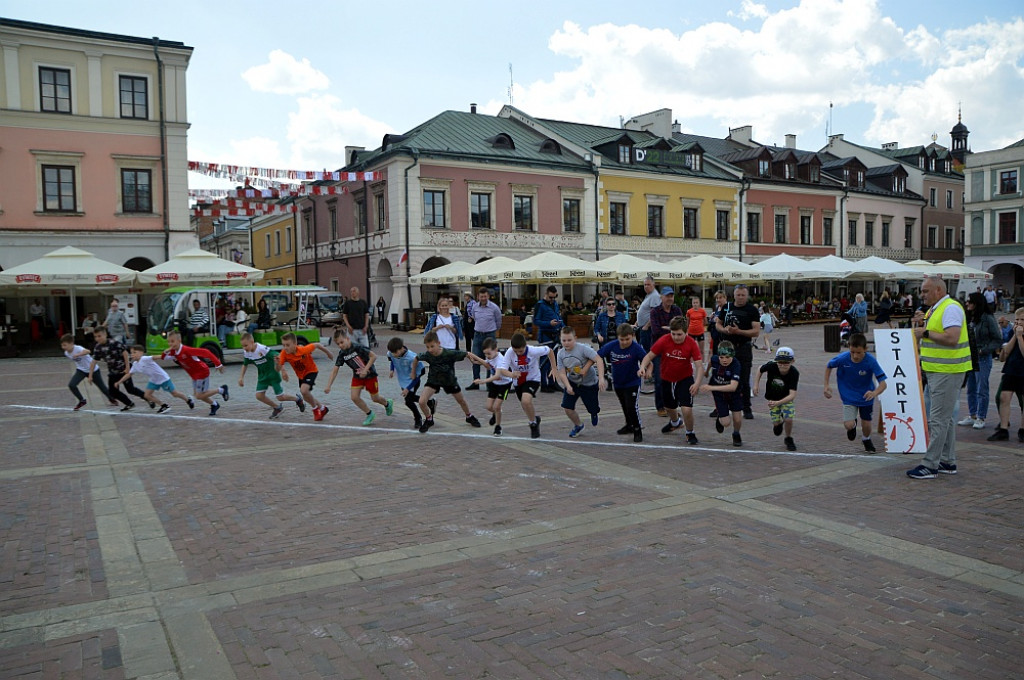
(138, 545)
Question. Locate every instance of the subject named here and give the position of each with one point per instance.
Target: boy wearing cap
(661, 318)
(724, 384)
(780, 391)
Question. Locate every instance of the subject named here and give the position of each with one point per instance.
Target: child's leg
(206, 394)
(787, 425)
(687, 418)
(428, 394)
(865, 427)
(410, 401)
(377, 399)
(307, 395)
(78, 377)
(574, 417)
(150, 395)
(358, 400)
(460, 399)
(628, 398)
(180, 395)
(262, 396)
(496, 410)
(527, 404)
(737, 420)
(97, 380)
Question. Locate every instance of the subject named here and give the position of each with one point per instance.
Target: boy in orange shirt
(301, 361)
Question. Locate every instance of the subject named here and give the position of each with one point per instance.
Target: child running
(625, 355)
(780, 391)
(193, 361)
(499, 383)
(857, 372)
(400, 359)
(440, 376)
(158, 379)
(524, 363)
(302, 362)
(84, 366)
(679, 353)
(364, 375)
(581, 372)
(268, 375)
(115, 354)
(724, 386)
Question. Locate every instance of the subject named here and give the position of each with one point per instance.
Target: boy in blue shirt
(856, 374)
(625, 355)
(401, 360)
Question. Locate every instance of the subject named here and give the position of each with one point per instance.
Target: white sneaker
(969, 420)
(979, 424)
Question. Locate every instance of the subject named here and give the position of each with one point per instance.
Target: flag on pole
(404, 257)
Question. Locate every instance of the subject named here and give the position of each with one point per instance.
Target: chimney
(743, 134)
(350, 150)
(790, 141)
(472, 107)
(889, 146)
(676, 127)
(835, 138)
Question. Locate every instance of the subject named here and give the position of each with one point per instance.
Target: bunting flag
(241, 172)
(245, 212)
(251, 192)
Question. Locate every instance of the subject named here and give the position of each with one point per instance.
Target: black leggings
(628, 399)
(129, 387)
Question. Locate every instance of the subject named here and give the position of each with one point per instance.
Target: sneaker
(869, 446)
(921, 472)
(164, 408)
(638, 436)
(79, 405)
(323, 412)
(671, 426)
(662, 413)
(301, 404)
(492, 420)
(128, 407)
(276, 412)
(390, 408)
(969, 420)
(224, 392)
(214, 408)
(737, 440)
(1000, 435)
(777, 429)
(627, 429)
(575, 431)
(427, 424)
(472, 386)
(152, 404)
(713, 414)
(979, 424)
(417, 423)
(851, 434)
(593, 419)
(535, 428)
(369, 418)
(432, 405)
(790, 444)
(316, 415)
(748, 414)
(691, 438)
(497, 430)
(191, 402)
(947, 469)
(476, 423)
(719, 428)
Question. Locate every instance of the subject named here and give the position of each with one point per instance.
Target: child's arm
(318, 346)
(83, 353)
(879, 388)
(551, 363)
(365, 370)
(477, 360)
(790, 397)
(415, 365)
(733, 385)
(330, 381)
(562, 379)
(283, 371)
(645, 363)
(828, 376)
(92, 367)
(241, 376)
(601, 382)
(757, 383)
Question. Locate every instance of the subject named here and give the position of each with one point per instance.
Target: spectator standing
(469, 324)
(859, 313)
(738, 322)
(989, 340)
(548, 322)
(116, 322)
(486, 317)
(643, 313)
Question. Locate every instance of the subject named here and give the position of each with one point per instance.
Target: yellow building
(273, 248)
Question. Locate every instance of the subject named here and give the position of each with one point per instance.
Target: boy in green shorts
(780, 391)
(268, 376)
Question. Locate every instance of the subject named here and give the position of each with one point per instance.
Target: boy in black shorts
(724, 383)
(440, 376)
(499, 383)
(524, 361)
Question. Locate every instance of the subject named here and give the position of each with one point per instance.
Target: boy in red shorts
(302, 362)
(364, 375)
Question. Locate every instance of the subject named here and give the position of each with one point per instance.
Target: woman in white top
(447, 325)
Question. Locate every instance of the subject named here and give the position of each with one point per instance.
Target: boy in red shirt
(679, 353)
(301, 361)
(193, 361)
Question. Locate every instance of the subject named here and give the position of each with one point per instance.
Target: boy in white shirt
(83, 369)
(524, 364)
(157, 377)
(499, 383)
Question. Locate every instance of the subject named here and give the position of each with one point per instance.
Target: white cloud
(749, 10)
(321, 128)
(284, 74)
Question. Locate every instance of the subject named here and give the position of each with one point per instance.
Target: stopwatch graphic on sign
(900, 430)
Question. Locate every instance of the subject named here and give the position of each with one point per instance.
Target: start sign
(902, 403)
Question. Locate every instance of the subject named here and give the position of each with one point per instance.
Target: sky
(289, 86)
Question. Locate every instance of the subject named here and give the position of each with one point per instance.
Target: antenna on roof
(511, 85)
(828, 126)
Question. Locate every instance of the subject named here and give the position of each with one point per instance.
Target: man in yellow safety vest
(945, 358)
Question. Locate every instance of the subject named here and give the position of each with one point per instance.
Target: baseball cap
(667, 290)
(784, 354)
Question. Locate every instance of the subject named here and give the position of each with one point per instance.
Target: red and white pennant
(240, 172)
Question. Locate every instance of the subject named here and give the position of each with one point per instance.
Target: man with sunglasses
(548, 321)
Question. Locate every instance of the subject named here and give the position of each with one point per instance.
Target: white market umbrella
(632, 268)
(549, 267)
(711, 268)
(887, 269)
(786, 267)
(199, 266)
(438, 274)
(950, 269)
(490, 271)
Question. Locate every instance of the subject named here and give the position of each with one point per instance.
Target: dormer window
(764, 167)
(789, 171)
(945, 167)
(846, 175)
(920, 162)
(550, 146)
(931, 164)
(860, 178)
(501, 141)
(899, 184)
(694, 161)
(625, 153)
(815, 173)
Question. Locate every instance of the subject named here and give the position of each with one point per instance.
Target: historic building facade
(994, 215)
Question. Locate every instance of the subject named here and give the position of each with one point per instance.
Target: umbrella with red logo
(199, 266)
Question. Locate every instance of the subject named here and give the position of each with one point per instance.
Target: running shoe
(691, 438)
(369, 418)
(492, 420)
(575, 431)
(947, 468)
(276, 412)
(922, 472)
(128, 407)
(79, 405)
(473, 421)
(214, 408)
(427, 424)
(324, 410)
(628, 429)
(152, 404)
(593, 419)
(969, 420)
(737, 440)
(638, 436)
(535, 428)
(164, 408)
(300, 403)
(790, 444)
(224, 392)
(497, 430)
(851, 434)
(432, 405)
(777, 429)
(390, 408)
(191, 403)
(719, 428)
(672, 426)
(869, 446)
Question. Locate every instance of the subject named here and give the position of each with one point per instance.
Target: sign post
(902, 404)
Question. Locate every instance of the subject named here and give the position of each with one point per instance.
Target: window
(885, 234)
(58, 188)
(480, 211)
(134, 97)
(690, 225)
(571, 214)
(826, 228)
(266, 244)
(694, 161)
(287, 239)
(433, 209)
(381, 214)
(933, 236)
(655, 220)
(780, 228)
(361, 216)
(815, 173)
(522, 212)
(617, 216)
(307, 228)
(948, 239)
(805, 229)
(764, 167)
(624, 153)
(54, 90)
(789, 171)
(722, 225)
(332, 218)
(851, 238)
(869, 232)
(753, 227)
(949, 199)
(931, 164)
(1008, 182)
(899, 184)
(1007, 227)
(136, 191)
(860, 178)
(931, 197)
(908, 235)
(277, 242)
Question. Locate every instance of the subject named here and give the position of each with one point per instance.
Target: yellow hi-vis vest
(936, 358)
